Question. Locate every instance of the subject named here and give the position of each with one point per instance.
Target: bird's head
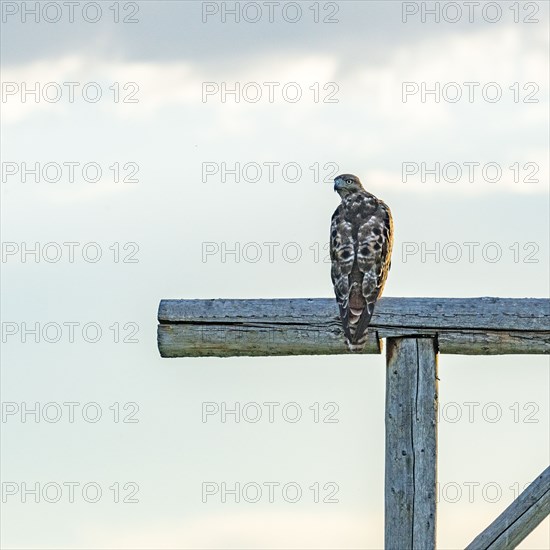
(346, 184)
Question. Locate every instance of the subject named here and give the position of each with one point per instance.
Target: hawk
(361, 238)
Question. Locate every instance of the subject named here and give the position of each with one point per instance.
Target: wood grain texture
(411, 444)
(519, 519)
(311, 326)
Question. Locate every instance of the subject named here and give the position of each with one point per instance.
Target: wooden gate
(417, 330)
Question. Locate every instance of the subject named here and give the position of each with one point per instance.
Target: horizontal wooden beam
(519, 519)
(311, 326)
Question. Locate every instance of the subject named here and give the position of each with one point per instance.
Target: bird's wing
(374, 245)
(342, 256)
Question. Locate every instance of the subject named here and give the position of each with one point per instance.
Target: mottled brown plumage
(361, 238)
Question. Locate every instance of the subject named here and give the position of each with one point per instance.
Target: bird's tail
(357, 347)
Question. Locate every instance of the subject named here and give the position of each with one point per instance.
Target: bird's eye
(349, 181)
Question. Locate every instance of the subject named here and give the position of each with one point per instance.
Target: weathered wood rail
(519, 519)
(417, 330)
(467, 326)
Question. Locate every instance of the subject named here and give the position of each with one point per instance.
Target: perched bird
(361, 238)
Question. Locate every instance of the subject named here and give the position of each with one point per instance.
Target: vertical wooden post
(411, 443)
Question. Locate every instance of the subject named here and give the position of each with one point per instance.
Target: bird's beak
(337, 184)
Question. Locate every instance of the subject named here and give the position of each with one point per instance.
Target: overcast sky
(464, 169)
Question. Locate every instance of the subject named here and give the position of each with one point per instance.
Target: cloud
(369, 123)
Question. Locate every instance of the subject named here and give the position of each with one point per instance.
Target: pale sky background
(170, 212)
